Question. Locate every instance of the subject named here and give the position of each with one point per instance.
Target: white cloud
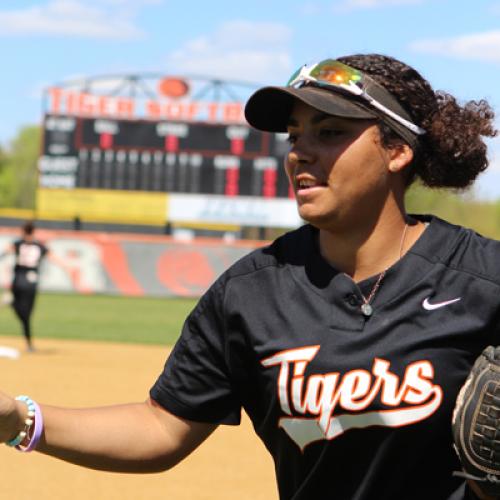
(479, 46)
(237, 50)
(111, 19)
(370, 4)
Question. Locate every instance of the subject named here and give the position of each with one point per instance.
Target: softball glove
(476, 423)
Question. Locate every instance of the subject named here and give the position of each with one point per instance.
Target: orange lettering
(212, 109)
(233, 112)
(86, 104)
(125, 107)
(55, 95)
(192, 111)
(153, 109)
(72, 106)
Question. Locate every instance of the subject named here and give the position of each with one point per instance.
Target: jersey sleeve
(196, 382)
(44, 250)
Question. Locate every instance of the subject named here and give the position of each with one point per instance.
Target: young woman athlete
(346, 340)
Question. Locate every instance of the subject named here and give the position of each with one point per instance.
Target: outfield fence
(127, 264)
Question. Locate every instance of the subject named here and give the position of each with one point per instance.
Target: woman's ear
(400, 156)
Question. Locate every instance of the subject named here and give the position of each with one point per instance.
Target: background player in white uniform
(347, 340)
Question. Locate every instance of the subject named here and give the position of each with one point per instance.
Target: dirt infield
(231, 464)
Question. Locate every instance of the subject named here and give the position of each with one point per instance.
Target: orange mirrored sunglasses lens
(334, 72)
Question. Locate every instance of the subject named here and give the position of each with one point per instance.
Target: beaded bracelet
(34, 417)
(37, 432)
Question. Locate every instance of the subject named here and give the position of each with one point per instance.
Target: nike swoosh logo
(430, 307)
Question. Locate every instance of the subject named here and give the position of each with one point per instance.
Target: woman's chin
(315, 217)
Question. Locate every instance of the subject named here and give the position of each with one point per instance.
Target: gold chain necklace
(366, 307)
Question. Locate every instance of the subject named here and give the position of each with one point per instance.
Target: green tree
(18, 169)
(457, 207)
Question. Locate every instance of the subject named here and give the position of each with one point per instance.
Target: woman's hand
(11, 417)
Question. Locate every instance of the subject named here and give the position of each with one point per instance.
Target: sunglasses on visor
(334, 74)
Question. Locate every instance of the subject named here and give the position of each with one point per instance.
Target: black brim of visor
(269, 108)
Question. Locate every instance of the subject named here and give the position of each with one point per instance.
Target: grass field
(141, 320)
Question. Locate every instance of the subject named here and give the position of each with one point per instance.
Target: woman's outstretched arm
(136, 437)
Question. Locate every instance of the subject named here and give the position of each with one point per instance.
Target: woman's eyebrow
(317, 118)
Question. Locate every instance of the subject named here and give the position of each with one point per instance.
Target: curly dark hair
(452, 153)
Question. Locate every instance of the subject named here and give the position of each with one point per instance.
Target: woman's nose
(300, 153)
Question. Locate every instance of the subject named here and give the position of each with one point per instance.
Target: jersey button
(352, 299)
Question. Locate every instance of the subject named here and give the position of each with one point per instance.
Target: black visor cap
(269, 108)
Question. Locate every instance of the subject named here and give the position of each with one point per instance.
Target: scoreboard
(164, 156)
(160, 150)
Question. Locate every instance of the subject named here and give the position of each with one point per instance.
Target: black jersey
(350, 407)
(28, 255)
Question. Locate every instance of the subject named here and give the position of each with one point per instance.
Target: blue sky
(455, 44)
